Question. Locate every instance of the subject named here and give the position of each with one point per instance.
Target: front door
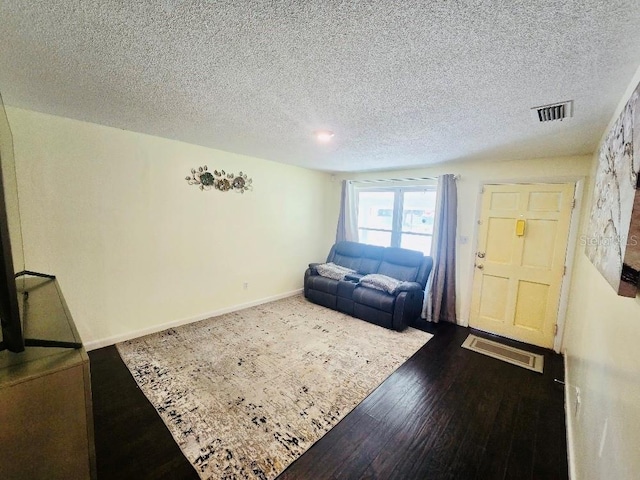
(520, 260)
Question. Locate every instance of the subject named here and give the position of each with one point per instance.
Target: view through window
(397, 217)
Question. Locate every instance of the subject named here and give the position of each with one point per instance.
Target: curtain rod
(382, 180)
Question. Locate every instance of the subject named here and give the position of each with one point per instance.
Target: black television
(11, 245)
(15, 284)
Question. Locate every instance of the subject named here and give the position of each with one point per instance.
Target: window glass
(374, 237)
(421, 243)
(397, 217)
(418, 211)
(375, 210)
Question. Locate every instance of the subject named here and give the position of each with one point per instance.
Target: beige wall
(472, 177)
(135, 247)
(602, 361)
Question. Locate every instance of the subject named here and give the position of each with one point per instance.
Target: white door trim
(572, 241)
(572, 244)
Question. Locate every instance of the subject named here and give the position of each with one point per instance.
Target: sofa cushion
(322, 298)
(347, 254)
(323, 284)
(371, 258)
(350, 249)
(407, 274)
(373, 315)
(374, 298)
(402, 256)
(401, 263)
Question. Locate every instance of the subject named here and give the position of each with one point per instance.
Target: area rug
(246, 393)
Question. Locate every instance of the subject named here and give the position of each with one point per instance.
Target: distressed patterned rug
(246, 393)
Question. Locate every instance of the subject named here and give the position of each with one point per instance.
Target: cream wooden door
(518, 274)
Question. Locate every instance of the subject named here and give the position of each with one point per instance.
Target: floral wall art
(219, 180)
(613, 238)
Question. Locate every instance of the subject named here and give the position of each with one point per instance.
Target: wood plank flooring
(446, 413)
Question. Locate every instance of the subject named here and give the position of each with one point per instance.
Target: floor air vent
(555, 111)
(515, 356)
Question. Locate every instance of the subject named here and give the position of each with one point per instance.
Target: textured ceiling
(401, 83)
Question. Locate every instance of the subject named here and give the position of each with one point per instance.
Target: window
(397, 216)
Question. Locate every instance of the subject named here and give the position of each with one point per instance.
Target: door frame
(572, 240)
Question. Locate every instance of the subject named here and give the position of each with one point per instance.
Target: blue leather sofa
(391, 310)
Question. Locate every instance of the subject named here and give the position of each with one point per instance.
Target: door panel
(504, 201)
(545, 201)
(538, 249)
(531, 305)
(499, 241)
(493, 305)
(518, 278)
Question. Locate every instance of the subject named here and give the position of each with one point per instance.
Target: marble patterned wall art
(613, 238)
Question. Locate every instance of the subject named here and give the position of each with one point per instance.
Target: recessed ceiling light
(323, 135)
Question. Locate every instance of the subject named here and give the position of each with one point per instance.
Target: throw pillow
(380, 282)
(332, 270)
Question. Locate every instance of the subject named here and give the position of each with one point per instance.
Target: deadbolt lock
(480, 254)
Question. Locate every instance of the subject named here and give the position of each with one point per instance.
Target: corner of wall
(602, 362)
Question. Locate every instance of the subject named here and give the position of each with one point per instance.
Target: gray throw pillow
(380, 282)
(332, 270)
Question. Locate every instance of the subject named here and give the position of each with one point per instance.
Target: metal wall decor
(219, 180)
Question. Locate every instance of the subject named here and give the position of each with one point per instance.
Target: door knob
(480, 267)
(480, 254)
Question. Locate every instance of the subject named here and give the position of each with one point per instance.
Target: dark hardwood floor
(446, 413)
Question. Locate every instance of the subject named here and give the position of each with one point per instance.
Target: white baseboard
(569, 421)
(104, 342)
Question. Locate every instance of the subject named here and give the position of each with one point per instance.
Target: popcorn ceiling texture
(401, 83)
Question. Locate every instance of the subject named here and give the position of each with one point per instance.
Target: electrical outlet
(245, 286)
(578, 401)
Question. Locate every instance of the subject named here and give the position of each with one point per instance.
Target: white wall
(135, 247)
(602, 357)
(472, 177)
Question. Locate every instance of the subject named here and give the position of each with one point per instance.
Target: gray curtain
(440, 301)
(347, 228)
(341, 231)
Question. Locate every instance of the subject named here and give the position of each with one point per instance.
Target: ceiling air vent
(555, 111)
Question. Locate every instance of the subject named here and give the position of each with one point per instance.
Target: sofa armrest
(408, 287)
(313, 268)
(309, 272)
(407, 309)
